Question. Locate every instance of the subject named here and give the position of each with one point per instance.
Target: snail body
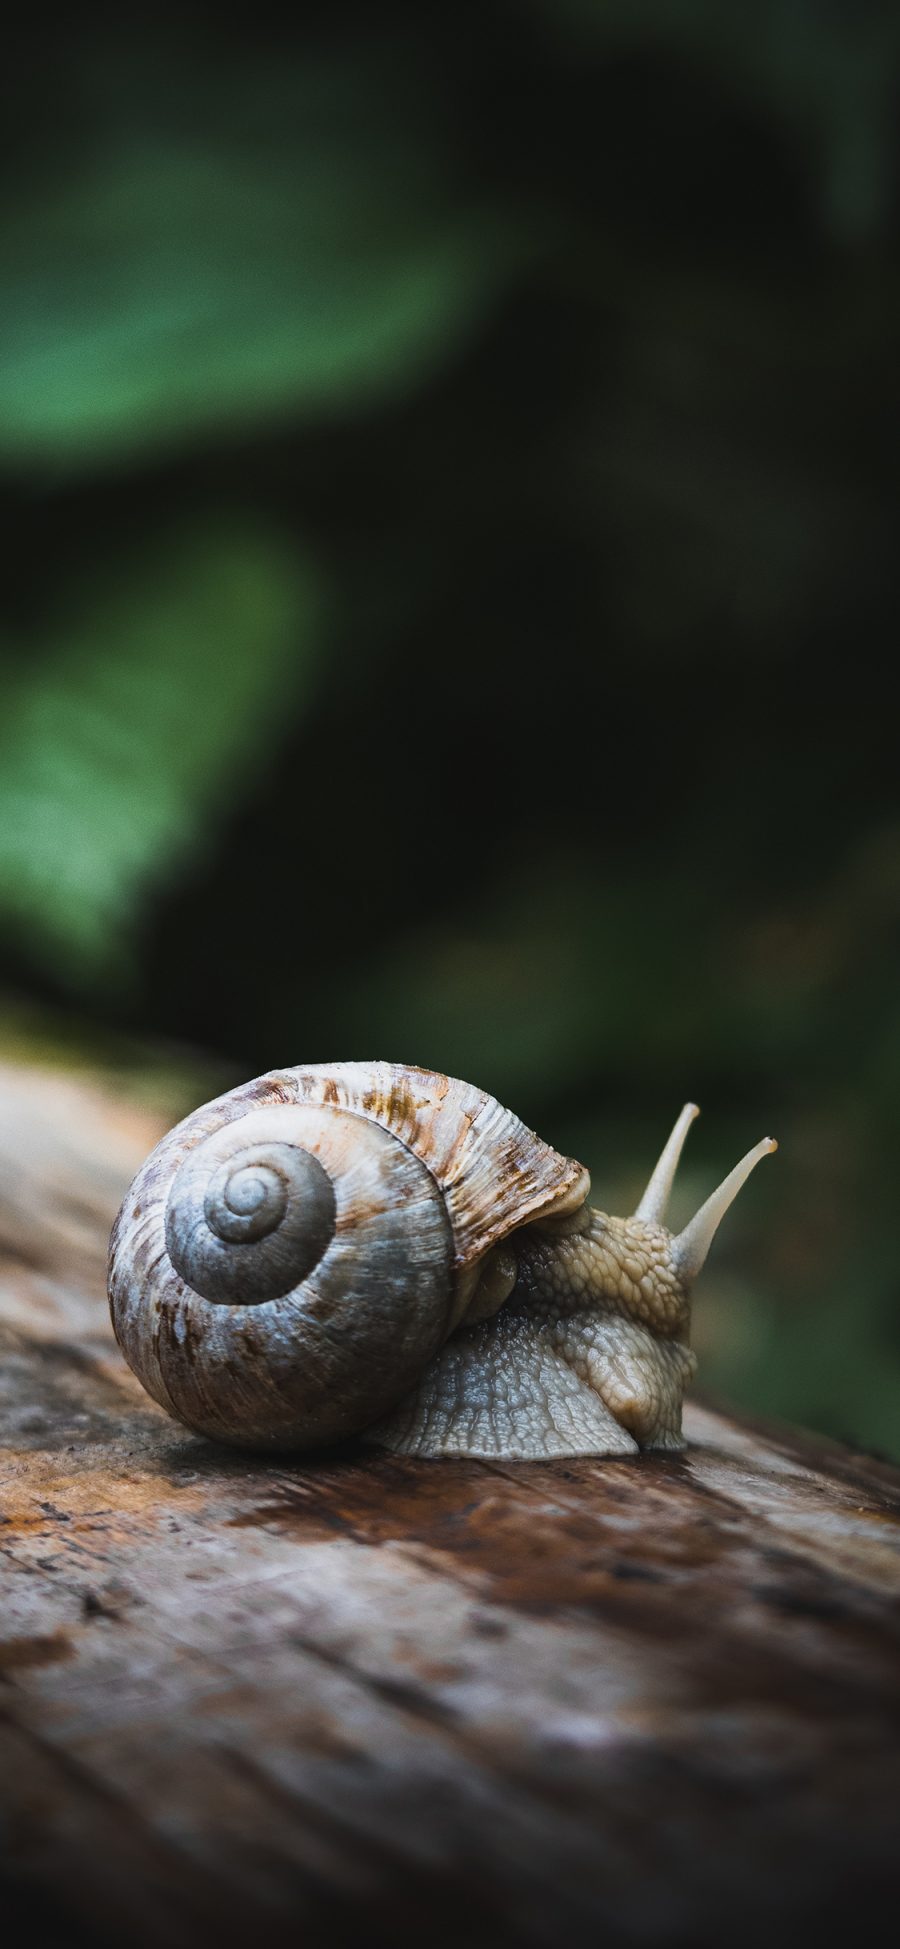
(371, 1248)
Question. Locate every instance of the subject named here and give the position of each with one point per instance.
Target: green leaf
(283, 247)
(136, 727)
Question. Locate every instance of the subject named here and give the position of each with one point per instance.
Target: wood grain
(369, 1698)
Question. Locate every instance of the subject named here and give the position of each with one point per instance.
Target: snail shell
(292, 1255)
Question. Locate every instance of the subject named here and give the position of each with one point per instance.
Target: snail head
(640, 1267)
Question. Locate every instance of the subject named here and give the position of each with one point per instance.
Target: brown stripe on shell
(495, 1173)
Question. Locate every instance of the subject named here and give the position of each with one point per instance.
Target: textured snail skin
(373, 1249)
(587, 1357)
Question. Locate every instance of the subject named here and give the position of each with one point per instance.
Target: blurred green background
(447, 462)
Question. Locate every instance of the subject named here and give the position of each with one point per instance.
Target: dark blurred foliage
(448, 469)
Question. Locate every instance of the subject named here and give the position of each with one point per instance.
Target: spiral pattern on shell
(306, 1277)
(245, 1225)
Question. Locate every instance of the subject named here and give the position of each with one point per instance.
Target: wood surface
(361, 1699)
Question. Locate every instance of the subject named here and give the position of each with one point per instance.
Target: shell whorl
(291, 1256)
(250, 1212)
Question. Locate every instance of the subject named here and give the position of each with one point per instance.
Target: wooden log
(650, 1701)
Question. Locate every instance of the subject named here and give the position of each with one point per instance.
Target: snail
(370, 1248)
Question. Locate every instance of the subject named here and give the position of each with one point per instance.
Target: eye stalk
(689, 1248)
(659, 1189)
